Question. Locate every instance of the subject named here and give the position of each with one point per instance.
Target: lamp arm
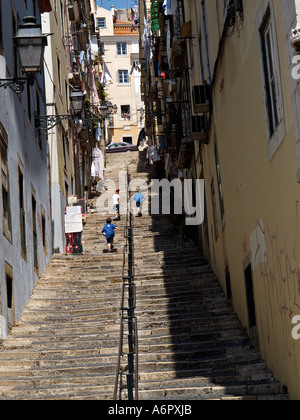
(14, 83)
(47, 122)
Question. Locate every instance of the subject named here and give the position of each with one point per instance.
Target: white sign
(73, 223)
(74, 210)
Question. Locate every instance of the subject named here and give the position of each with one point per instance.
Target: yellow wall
(259, 193)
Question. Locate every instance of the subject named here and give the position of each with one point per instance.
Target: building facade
(25, 211)
(60, 137)
(228, 113)
(119, 37)
(42, 162)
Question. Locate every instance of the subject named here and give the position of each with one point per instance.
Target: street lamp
(107, 108)
(104, 111)
(47, 122)
(77, 100)
(142, 113)
(30, 45)
(110, 107)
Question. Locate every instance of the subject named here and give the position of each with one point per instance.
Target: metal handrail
(130, 317)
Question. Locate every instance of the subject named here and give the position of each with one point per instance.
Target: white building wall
(18, 123)
(57, 104)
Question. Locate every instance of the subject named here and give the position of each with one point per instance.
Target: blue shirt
(138, 197)
(109, 230)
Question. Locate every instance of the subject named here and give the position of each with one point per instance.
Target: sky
(119, 4)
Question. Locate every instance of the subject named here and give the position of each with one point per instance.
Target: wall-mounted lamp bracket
(47, 122)
(15, 84)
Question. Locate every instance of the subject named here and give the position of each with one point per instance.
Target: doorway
(252, 320)
(9, 283)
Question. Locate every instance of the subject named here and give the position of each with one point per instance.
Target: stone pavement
(191, 344)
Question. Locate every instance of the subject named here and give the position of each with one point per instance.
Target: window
(125, 112)
(271, 82)
(123, 76)
(64, 149)
(10, 304)
(34, 231)
(101, 49)
(219, 180)
(136, 63)
(121, 48)
(67, 95)
(44, 236)
(22, 213)
(14, 50)
(128, 140)
(38, 132)
(214, 204)
(269, 70)
(62, 18)
(250, 296)
(228, 284)
(205, 40)
(59, 74)
(66, 191)
(34, 8)
(201, 61)
(101, 23)
(5, 192)
(28, 91)
(9, 291)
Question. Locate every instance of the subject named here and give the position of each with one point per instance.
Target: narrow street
(191, 344)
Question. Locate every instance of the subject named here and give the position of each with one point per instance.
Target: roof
(124, 28)
(45, 6)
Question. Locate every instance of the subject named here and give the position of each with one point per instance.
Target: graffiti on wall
(279, 269)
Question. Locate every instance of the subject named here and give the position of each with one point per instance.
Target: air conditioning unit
(202, 98)
(199, 128)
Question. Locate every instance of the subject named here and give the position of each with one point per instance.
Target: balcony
(202, 99)
(199, 125)
(186, 153)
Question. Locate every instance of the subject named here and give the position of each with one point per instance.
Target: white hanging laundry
(170, 7)
(106, 76)
(93, 170)
(97, 167)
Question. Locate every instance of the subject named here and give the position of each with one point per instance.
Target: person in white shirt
(116, 204)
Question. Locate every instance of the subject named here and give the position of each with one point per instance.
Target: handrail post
(132, 375)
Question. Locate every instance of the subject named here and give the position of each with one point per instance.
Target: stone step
(210, 392)
(191, 343)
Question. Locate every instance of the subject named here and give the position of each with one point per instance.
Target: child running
(109, 232)
(139, 198)
(116, 204)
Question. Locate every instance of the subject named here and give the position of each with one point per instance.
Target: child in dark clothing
(109, 232)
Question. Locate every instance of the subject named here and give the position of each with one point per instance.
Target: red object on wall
(45, 6)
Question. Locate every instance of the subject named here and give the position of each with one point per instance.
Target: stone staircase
(191, 344)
